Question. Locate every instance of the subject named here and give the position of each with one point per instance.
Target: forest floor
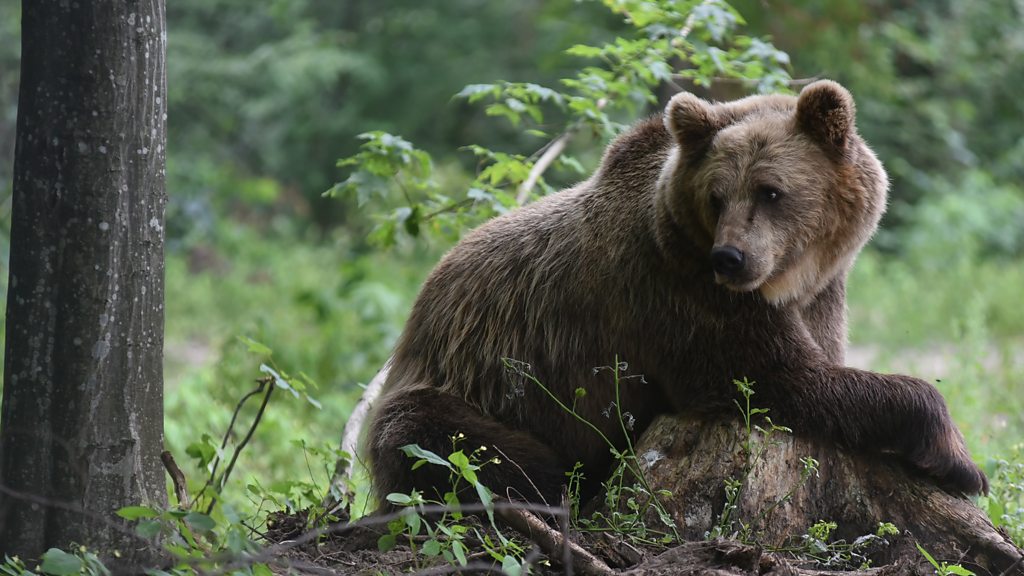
(355, 553)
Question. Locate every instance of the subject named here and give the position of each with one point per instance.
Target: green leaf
(255, 347)
(431, 548)
(203, 451)
(386, 542)
(136, 512)
(399, 498)
(887, 529)
(571, 163)
(279, 380)
(926, 555)
(511, 565)
(459, 549)
(485, 498)
(413, 521)
(261, 570)
(459, 459)
(59, 563)
(412, 221)
(452, 501)
(462, 464)
(515, 105)
(584, 51)
(200, 521)
(474, 92)
(414, 451)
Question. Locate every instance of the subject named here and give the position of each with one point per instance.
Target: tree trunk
(82, 415)
(693, 459)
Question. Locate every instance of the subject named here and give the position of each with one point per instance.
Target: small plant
(1005, 502)
(943, 568)
(57, 562)
(206, 532)
(450, 535)
(306, 496)
(840, 554)
(728, 525)
(629, 498)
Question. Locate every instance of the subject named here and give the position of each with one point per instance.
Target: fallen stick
(551, 541)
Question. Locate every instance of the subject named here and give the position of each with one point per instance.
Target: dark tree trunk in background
(82, 421)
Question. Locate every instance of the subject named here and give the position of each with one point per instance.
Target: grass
(325, 313)
(961, 326)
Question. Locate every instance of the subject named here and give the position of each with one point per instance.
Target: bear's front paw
(935, 445)
(945, 458)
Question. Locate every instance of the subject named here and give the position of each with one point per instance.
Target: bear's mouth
(738, 284)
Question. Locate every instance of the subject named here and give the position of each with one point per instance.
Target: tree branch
(553, 150)
(177, 478)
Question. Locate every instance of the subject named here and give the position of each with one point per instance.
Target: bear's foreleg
(878, 412)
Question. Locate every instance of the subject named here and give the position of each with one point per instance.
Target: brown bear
(709, 246)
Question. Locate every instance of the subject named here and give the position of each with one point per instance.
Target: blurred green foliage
(935, 83)
(264, 98)
(665, 42)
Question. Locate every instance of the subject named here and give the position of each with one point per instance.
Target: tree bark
(694, 458)
(82, 415)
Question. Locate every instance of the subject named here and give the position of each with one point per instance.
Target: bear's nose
(727, 260)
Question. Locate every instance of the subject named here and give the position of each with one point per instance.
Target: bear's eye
(769, 193)
(716, 203)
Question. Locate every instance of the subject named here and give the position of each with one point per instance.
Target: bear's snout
(727, 260)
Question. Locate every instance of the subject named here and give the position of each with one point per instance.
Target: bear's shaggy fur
(710, 245)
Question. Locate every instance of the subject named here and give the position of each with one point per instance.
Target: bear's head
(779, 192)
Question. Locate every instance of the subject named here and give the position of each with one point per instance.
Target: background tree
(82, 419)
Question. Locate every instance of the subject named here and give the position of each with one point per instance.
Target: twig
(552, 151)
(227, 433)
(449, 208)
(544, 162)
(550, 541)
(536, 490)
(469, 568)
(688, 25)
(177, 478)
(248, 436)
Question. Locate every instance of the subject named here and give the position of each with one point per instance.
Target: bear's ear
(692, 122)
(825, 112)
